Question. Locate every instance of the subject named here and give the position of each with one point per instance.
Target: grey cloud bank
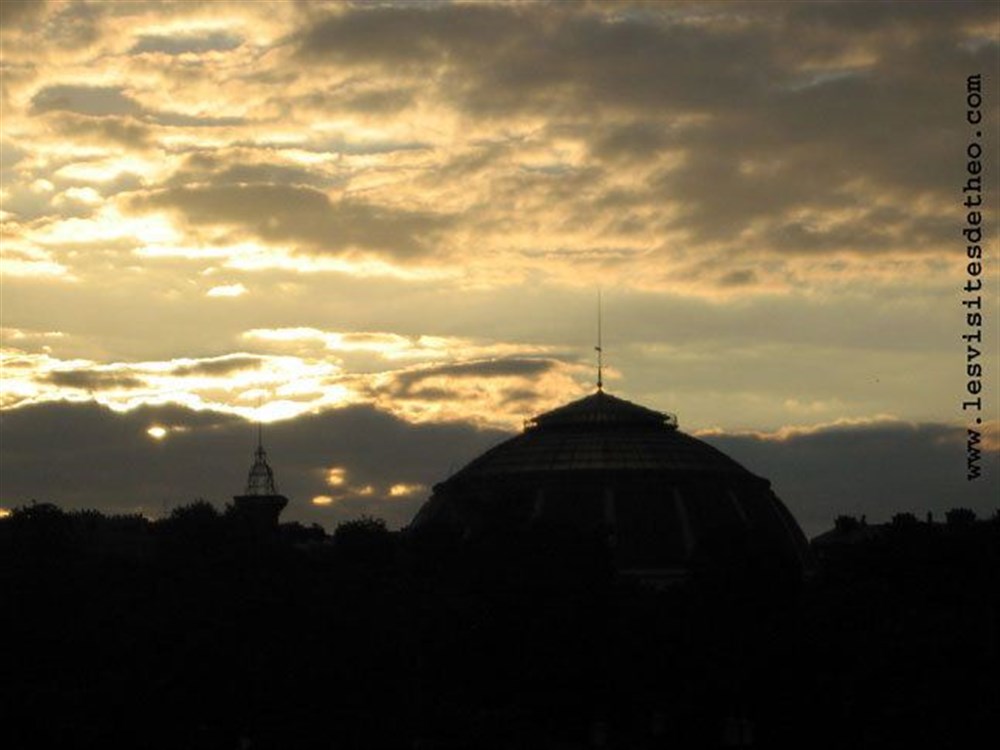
(85, 456)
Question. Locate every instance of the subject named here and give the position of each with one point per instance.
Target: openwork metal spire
(260, 481)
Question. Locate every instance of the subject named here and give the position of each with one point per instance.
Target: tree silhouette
(518, 638)
(960, 517)
(364, 542)
(845, 524)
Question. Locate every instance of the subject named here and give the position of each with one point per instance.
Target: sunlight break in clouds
(449, 384)
(227, 290)
(288, 386)
(392, 346)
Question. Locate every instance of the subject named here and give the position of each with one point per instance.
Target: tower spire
(260, 505)
(599, 348)
(260, 480)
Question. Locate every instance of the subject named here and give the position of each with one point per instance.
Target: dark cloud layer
(125, 131)
(186, 43)
(16, 12)
(92, 379)
(506, 58)
(109, 107)
(875, 470)
(220, 365)
(85, 100)
(82, 455)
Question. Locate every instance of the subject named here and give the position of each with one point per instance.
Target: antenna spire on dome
(599, 348)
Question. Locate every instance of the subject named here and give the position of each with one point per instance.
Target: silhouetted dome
(664, 501)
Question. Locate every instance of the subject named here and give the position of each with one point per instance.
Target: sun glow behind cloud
(20, 261)
(404, 490)
(227, 290)
(108, 224)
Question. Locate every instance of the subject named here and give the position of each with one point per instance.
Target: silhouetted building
(850, 534)
(260, 504)
(665, 503)
(847, 532)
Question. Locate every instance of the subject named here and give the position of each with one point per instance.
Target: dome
(599, 433)
(663, 501)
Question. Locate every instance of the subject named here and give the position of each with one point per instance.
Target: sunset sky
(381, 229)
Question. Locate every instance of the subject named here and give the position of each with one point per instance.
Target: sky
(381, 230)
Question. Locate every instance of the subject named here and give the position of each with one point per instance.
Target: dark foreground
(194, 633)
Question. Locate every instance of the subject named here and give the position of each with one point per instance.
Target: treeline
(205, 635)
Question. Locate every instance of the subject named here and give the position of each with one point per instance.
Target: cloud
(246, 166)
(112, 102)
(91, 380)
(393, 347)
(732, 105)
(14, 13)
(380, 101)
(220, 366)
(741, 277)
(190, 43)
(184, 120)
(302, 215)
(124, 131)
(408, 382)
(633, 140)
(492, 392)
(68, 25)
(407, 35)
(503, 58)
(85, 100)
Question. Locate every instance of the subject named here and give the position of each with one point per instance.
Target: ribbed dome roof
(600, 433)
(661, 500)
